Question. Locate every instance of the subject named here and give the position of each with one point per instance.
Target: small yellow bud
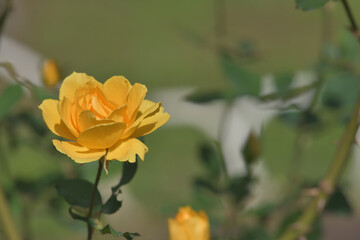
(50, 73)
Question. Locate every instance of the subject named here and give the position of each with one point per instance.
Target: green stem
(292, 93)
(315, 207)
(92, 200)
(354, 26)
(6, 219)
(302, 226)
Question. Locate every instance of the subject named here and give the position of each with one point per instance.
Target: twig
(354, 27)
(292, 93)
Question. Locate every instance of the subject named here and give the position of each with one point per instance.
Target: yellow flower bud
(189, 225)
(50, 73)
(97, 119)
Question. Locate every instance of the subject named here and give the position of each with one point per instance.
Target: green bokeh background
(158, 43)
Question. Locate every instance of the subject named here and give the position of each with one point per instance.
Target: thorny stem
(315, 207)
(92, 200)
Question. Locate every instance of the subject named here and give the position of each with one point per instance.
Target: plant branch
(292, 93)
(92, 200)
(326, 187)
(6, 219)
(302, 226)
(354, 27)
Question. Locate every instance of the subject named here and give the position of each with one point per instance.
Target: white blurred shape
(26, 61)
(206, 117)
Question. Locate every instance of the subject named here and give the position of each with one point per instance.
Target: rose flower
(97, 119)
(189, 225)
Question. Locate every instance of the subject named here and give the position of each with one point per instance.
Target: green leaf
(210, 158)
(42, 94)
(338, 203)
(78, 213)
(77, 192)
(205, 96)
(206, 184)
(257, 233)
(239, 187)
(129, 170)
(9, 98)
(246, 82)
(310, 4)
(112, 205)
(342, 86)
(283, 82)
(109, 230)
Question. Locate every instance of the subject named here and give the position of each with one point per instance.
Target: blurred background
(171, 47)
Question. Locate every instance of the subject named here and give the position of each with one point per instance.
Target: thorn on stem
(311, 192)
(326, 187)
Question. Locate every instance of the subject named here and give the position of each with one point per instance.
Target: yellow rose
(50, 73)
(98, 119)
(189, 225)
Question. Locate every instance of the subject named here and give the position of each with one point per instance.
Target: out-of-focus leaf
(9, 98)
(210, 158)
(38, 186)
(288, 221)
(109, 230)
(264, 211)
(316, 230)
(205, 96)
(77, 192)
(305, 119)
(239, 187)
(338, 203)
(251, 150)
(310, 4)
(129, 170)
(246, 81)
(342, 86)
(112, 205)
(283, 82)
(42, 94)
(246, 48)
(257, 233)
(206, 184)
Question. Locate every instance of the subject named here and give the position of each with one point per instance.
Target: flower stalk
(93, 194)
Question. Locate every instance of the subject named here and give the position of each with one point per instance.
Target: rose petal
(151, 110)
(118, 114)
(151, 123)
(102, 136)
(77, 152)
(127, 150)
(87, 119)
(53, 120)
(75, 81)
(66, 111)
(116, 89)
(135, 98)
(176, 231)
